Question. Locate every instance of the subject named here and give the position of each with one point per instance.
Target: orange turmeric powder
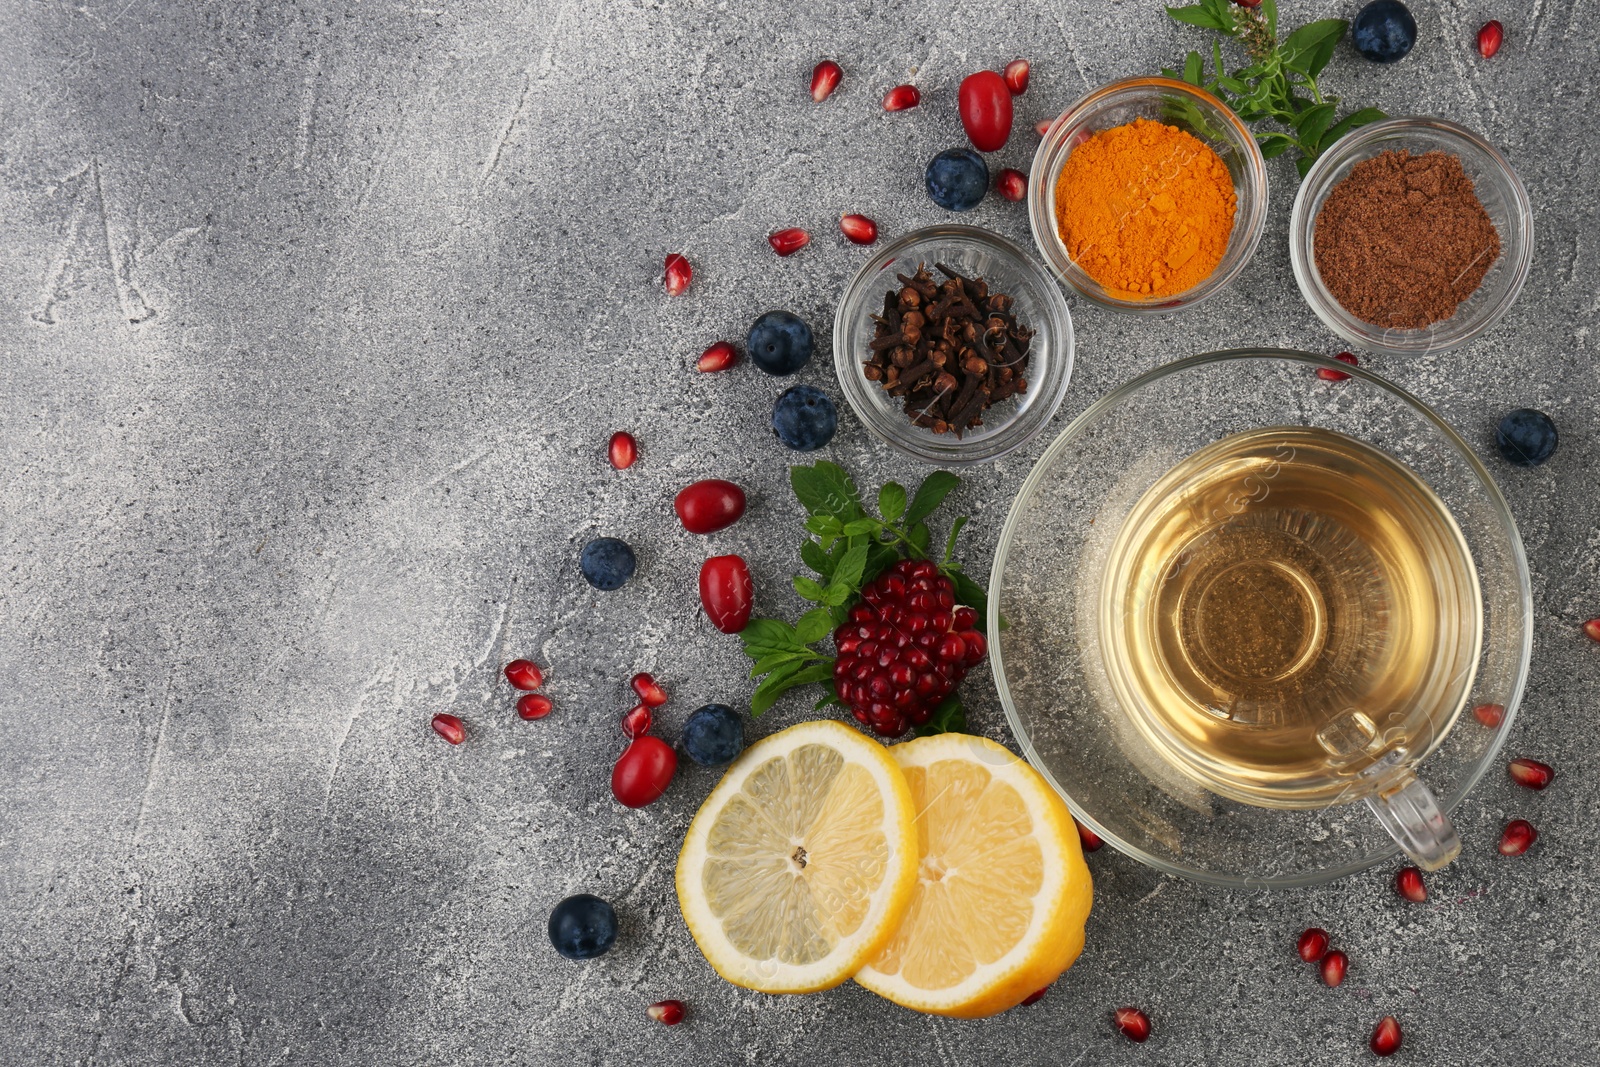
(1146, 209)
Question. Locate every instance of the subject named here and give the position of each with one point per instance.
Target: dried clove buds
(950, 349)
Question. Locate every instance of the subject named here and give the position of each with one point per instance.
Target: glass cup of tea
(1240, 612)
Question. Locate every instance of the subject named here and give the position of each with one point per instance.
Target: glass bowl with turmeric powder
(1147, 196)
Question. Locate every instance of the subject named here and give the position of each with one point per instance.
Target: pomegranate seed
(1034, 997)
(1016, 76)
(788, 242)
(1592, 628)
(859, 229)
(1012, 184)
(1337, 375)
(1408, 883)
(719, 356)
(533, 706)
(1385, 1036)
(636, 723)
(624, 450)
(1042, 127)
(450, 728)
(1518, 836)
(524, 674)
(1531, 773)
(901, 97)
(825, 79)
(670, 1012)
(678, 275)
(1490, 714)
(1091, 840)
(1313, 944)
(1490, 37)
(1333, 968)
(1134, 1024)
(649, 692)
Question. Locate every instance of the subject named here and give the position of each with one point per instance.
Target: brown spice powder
(1402, 239)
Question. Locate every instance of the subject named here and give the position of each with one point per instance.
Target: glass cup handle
(1408, 810)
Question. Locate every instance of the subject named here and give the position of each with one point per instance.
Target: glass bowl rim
(1113, 399)
(1322, 302)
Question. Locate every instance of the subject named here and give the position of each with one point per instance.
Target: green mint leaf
(969, 592)
(1313, 122)
(824, 525)
(813, 626)
(810, 590)
(880, 557)
(773, 660)
(773, 633)
(1322, 54)
(1197, 15)
(1312, 34)
(1348, 123)
(930, 494)
(1303, 164)
(825, 489)
(1193, 67)
(861, 526)
(891, 501)
(919, 536)
(1276, 147)
(848, 574)
(812, 555)
(1269, 11)
(831, 698)
(955, 532)
(949, 718)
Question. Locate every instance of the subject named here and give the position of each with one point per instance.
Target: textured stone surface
(316, 318)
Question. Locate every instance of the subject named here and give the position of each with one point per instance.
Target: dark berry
(583, 927)
(1384, 31)
(804, 418)
(779, 342)
(957, 179)
(1526, 437)
(713, 735)
(607, 562)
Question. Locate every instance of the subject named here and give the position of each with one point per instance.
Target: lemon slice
(1003, 890)
(800, 863)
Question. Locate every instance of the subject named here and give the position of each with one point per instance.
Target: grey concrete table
(315, 320)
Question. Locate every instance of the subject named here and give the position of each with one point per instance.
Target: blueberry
(1526, 437)
(1384, 31)
(583, 927)
(804, 418)
(779, 342)
(957, 179)
(713, 735)
(607, 562)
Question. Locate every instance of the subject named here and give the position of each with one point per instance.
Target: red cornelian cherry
(726, 592)
(1016, 76)
(1313, 944)
(1592, 628)
(624, 450)
(825, 79)
(1518, 836)
(858, 229)
(1012, 184)
(1490, 38)
(1333, 968)
(1385, 1036)
(1491, 715)
(1034, 997)
(649, 692)
(1088, 838)
(643, 772)
(1248, 3)
(1329, 375)
(719, 356)
(450, 728)
(533, 706)
(1408, 883)
(1134, 1024)
(709, 505)
(788, 242)
(667, 1012)
(678, 275)
(901, 97)
(636, 723)
(524, 674)
(1530, 772)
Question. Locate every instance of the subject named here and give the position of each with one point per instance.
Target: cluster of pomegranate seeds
(1518, 836)
(1490, 38)
(650, 694)
(678, 275)
(1012, 184)
(1016, 76)
(1313, 944)
(1329, 375)
(533, 706)
(1491, 715)
(1334, 965)
(1134, 1024)
(901, 97)
(1090, 840)
(669, 1012)
(636, 723)
(450, 728)
(624, 450)
(1531, 773)
(1034, 997)
(1592, 628)
(858, 229)
(1408, 883)
(1385, 1036)
(788, 242)
(719, 356)
(825, 79)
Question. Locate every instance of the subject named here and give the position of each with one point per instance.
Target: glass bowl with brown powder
(1411, 235)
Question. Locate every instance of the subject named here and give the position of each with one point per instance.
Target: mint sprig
(1280, 82)
(847, 548)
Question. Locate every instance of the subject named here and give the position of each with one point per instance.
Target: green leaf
(1269, 10)
(848, 573)
(783, 679)
(1322, 54)
(1304, 46)
(825, 489)
(955, 532)
(1311, 123)
(1198, 15)
(771, 632)
(1304, 164)
(949, 718)
(1193, 68)
(930, 494)
(858, 527)
(813, 626)
(1276, 147)
(891, 501)
(1348, 123)
(969, 592)
(919, 536)
(831, 698)
(812, 555)
(810, 590)
(773, 660)
(880, 557)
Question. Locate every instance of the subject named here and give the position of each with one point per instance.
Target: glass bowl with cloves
(953, 345)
